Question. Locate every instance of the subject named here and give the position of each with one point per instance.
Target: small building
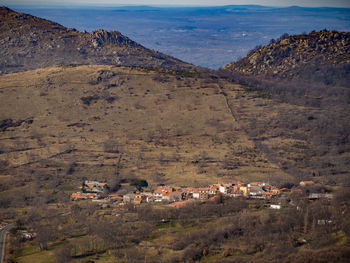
(27, 236)
(244, 190)
(234, 192)
(128, 198)
(166, 196)
(203, 193)
(256, 192)
(91, 195)
(223, 188)
(189, 189)
(275, 206)
(213, 190)
(77, 196)
(162, 193)
(149, 196)
(195, 194)
(94, 186)
(140, 198)
(175, 196)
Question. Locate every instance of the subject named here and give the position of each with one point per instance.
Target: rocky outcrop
(28, 42)
(101, 37)
(300, 56)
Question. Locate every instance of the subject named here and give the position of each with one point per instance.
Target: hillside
(322, 57)
(98, 121)
(146, 122)
(63, 125)
(29, 42)
(173, 126)
(165, 127)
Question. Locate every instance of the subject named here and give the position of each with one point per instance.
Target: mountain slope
(181, 127)
(310, 75)
(77, 122)
(318, 56)
(29, 42)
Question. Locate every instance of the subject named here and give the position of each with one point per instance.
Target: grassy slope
(154, 116)
(186, 116)
(307, 141)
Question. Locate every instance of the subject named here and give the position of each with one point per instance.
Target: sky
(307, 3)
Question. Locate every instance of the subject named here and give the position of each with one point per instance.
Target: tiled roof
(76, 195)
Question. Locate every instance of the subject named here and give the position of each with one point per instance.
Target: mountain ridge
(29, 42)
(322, 56)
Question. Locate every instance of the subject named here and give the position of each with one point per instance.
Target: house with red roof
(91, 195)
(163, 193)
(213, 190)
(94, 186)
(165, 196)
(77, 196)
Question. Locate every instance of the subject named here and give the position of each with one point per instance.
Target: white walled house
(223, 189)
(195, 195)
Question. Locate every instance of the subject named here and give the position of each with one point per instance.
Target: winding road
(3, 232)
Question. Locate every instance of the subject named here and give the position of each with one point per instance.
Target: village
(181, 196)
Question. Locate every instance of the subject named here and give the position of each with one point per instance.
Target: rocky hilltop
(319, 56)
(29, 42)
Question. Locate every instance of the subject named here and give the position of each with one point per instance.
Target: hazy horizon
(182, 3)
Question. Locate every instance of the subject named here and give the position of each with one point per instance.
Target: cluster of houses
(91, 190)
(177, 195)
